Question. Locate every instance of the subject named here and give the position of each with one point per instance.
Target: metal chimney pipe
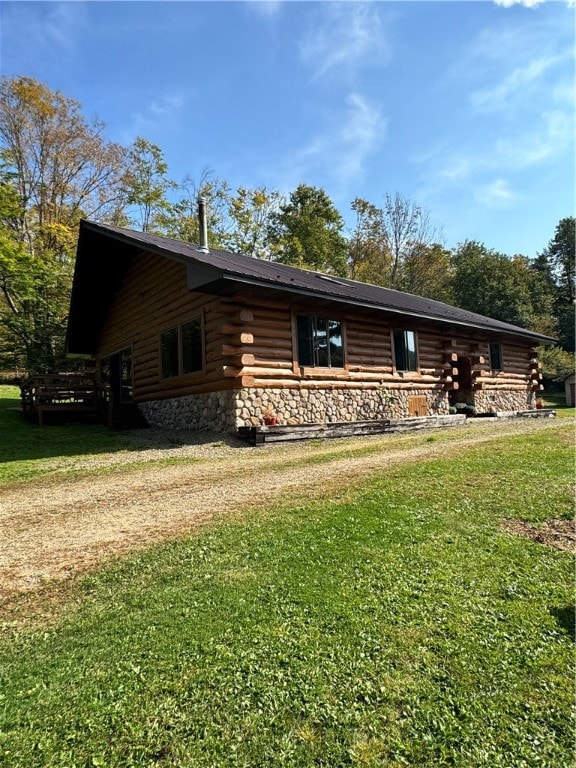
(203, 225)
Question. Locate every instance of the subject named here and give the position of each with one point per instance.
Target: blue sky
(465, 107)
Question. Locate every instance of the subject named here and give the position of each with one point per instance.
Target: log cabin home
(198, 338)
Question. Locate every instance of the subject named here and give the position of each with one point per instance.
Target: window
(181, 349)
(320, 342)
(192, 346)
(405, 350)
(495, 356)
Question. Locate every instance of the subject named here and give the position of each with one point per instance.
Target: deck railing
(60, 392)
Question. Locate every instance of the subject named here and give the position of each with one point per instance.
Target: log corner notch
(449, 369)
(236, 349)
(535, 373)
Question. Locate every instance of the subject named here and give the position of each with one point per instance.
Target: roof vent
(203, 225)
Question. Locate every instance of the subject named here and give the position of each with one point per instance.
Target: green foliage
(394, 246)
(559, 262)
(392, 624)
(561, 257)
(250, 211)
(557, 363)
(307, 232)
(501, 287)
(146, 184)
(428, 271)
(56, 169)
(181, 219)
(369, 255)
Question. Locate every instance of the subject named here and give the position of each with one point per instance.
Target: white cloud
(346, 34)
(520, 117)
(158, 112)
(265, 8)
(48, 30)
(337, 157)
(519, 150)
(494, 194)
(526, 3)
(343, 152)
(531, 148)
(519, 84)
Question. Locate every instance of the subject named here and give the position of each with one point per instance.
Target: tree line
(57, 167)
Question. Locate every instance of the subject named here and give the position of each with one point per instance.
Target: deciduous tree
(559, 260)
(505, 288)
(57, 168)
(249, 212)
(146, 186)
(307, 232)
(369, 256)
(408, 229)
(397, 247)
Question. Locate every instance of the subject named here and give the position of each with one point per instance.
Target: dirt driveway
(58, 526)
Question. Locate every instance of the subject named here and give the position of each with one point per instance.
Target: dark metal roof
(222, 271)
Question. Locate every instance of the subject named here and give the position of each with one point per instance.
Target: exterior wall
(250, 360)
(301, 405)
(494, 402)
(212, 411)
(228, 410)
(153, 298)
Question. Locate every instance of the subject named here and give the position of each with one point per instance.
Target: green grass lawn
(25, 447)
(392, 624)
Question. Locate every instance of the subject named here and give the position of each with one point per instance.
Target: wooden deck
(64, 393)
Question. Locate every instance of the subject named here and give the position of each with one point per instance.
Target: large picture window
(182, 349)
(405, 356)
(320, 342)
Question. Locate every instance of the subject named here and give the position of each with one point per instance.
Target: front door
(116, 373)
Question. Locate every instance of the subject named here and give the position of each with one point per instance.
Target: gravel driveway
(57, 526)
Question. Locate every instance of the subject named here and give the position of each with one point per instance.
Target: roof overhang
(104, 254)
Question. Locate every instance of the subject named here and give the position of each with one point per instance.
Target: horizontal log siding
(272, 346)
(368, 347)
(250, 343)
(516, 373)
(152, 298)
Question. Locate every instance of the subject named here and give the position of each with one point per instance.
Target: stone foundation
(226, 411)
(321, 406)
(487, 401)
(210, 411)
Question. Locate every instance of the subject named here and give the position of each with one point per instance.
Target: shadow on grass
(23, 440)
(64, 435)
(566, 618)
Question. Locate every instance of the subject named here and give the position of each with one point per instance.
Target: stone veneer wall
(495, 400)
(226, 411)
(210, 411)
(319, 406)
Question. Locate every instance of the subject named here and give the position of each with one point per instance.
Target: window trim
(314, 366)
(416, 368)
(178, 327)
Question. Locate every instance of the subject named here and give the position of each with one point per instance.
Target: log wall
(251, 345)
